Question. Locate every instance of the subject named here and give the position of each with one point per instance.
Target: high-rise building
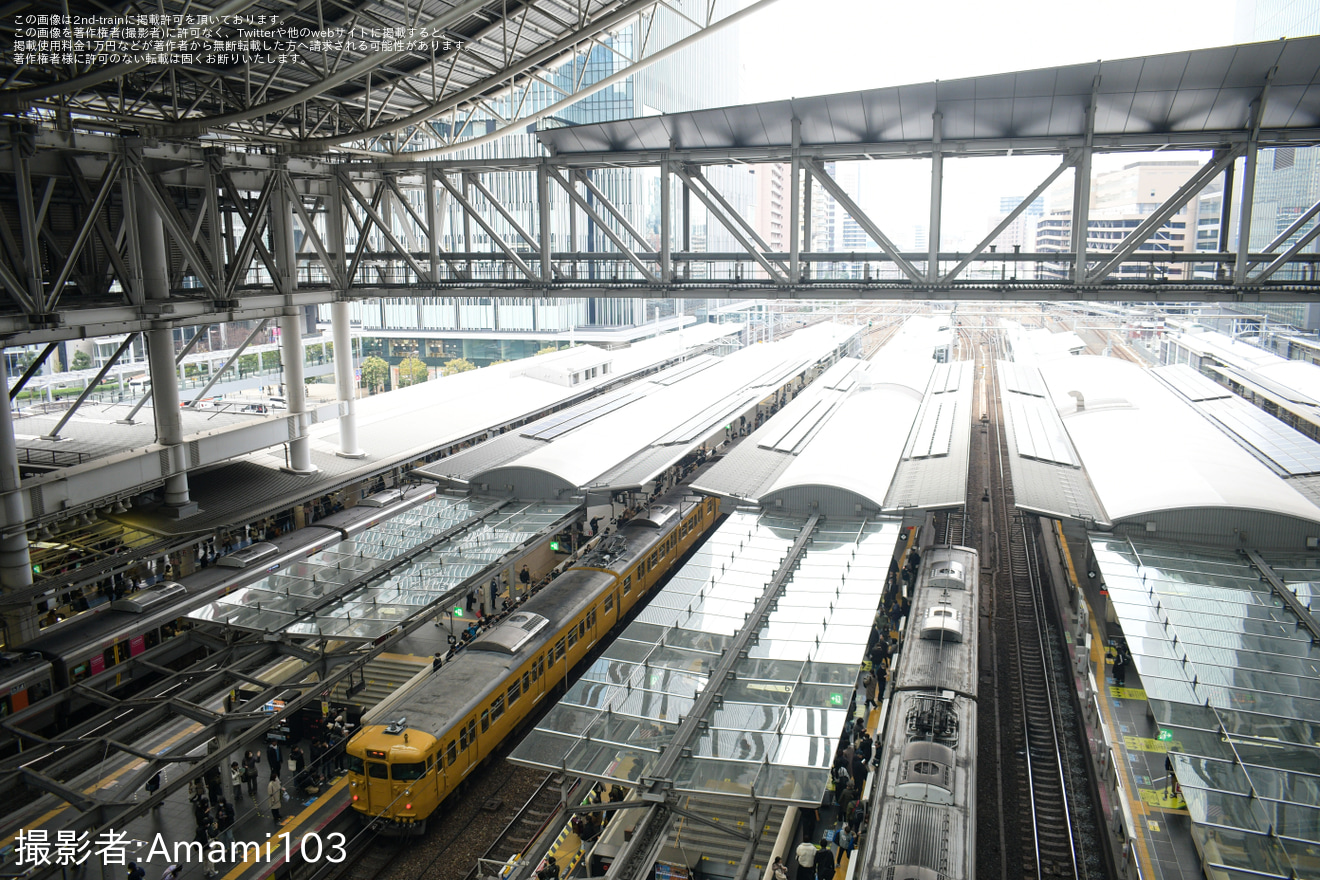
(1121, 200)
(1022, 231)
(772, 204)
(1287, 178)
(487, 329)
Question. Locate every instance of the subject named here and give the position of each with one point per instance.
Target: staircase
(382, 676)
(720, 853)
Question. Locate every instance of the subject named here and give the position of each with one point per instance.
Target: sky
(798, 48)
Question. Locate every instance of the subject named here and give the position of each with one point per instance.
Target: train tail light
(407, 806)
(355, 798)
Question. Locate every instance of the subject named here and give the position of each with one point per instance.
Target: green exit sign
(836, 699)
(458, 610)
(1165, 735)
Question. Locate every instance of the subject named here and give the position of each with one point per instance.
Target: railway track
(526, 825)
(1045, 825)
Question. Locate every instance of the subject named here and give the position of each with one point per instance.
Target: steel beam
(32, 369)
(470, 210)
(188, 346)
(91, 386)
(1008, 220)
(1286, 257)
(1137, 237)
(1081, 207)
(89, 223)
(571, 189)
(543, 218)
(868, 226)
(233, 358)
(691, 176)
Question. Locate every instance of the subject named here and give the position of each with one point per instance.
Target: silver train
(923, 823)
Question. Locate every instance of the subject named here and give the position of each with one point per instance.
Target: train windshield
(407, 772)
(354, 764)
(378, 771)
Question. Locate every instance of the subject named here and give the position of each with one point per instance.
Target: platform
(1163, 828)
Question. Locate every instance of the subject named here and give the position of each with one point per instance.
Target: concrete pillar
(345, 383)
(295, 392)
(160, 342)
(15, 563)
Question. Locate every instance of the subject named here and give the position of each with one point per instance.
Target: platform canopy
(773, 727)
(1233, 680)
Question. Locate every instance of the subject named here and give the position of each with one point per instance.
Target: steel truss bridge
(251, 232)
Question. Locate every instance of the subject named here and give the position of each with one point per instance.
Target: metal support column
(666, 222)
(90, 387)
(795, 207)
(936, 197)
(1226, 209)
(15, 563)
(1081, 208)
(160, 344)
(804, 268)
(291, 346)
(1244, 213)
(178, 359)
(543, 218)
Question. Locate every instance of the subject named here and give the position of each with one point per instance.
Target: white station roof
(1146, 450)
(656, 421)
(841, 442)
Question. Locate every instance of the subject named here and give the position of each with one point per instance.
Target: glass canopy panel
(1234, 678)
(777, 718)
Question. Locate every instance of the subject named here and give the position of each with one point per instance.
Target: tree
(493, 363)
(374, 372)
(548, 348)
(411, 372)
(81, 360)
(457, 365)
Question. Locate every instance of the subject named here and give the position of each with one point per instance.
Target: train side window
(463, 738)
(627, 585)
(540, 666)
(514, 692)
(572, 638)
(451, 753)
(582, 629)
(485, 721)
(472, 732)
(650, 562)
(609, 604)
(108, 657)
(591, 618)
(641, 570)
(497, 708)
(152, 638)
(526, 681)
(559, 649)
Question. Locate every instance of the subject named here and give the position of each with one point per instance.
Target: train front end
(391, 776)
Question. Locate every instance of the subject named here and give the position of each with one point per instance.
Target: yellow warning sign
(1153, 825)
(1127, 693)
(1146, 744)
(1162, 799)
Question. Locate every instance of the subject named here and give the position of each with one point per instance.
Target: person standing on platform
(869, 682)
(437, 662)
(471, 599)
(595, 526)
(224, 820)
(273, 759)
(236, 780)
(779, 871)
(806, 860)
(525, 578)
(273, 798)
(824, 861)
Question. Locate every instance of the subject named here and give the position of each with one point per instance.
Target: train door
(378, 783)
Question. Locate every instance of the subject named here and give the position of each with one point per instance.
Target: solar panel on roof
(1022, 378)
(561, 423)
(678, 374)
(779, 439)
(1191, 384)
(1292, 451)
(1037, 430)
(934, 435)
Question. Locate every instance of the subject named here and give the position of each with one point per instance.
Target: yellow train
(400, 773)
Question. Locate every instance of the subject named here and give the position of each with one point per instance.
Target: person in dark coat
(273, 759)
(824, 861)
